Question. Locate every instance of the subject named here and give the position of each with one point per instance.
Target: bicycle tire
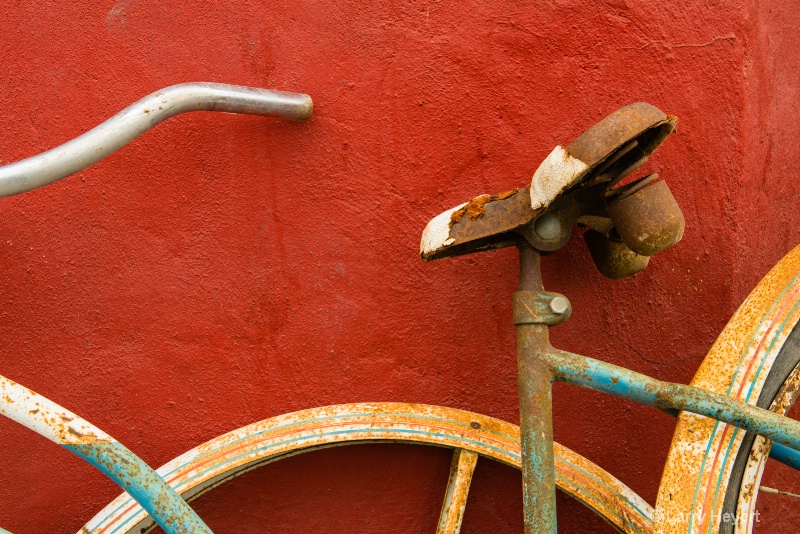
(225, 457)
(711, 478)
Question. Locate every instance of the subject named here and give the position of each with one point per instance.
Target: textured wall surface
(224, 269)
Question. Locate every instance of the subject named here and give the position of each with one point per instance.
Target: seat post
(530, 271)
(533, 310)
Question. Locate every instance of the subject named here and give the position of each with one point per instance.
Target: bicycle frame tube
(77, 435)
(785, 455)
(535, 400)
(620, 382)
(540, 364)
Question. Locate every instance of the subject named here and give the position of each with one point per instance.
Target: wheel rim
(695, 481)
(232, 454)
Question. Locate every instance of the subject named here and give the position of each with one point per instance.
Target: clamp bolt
(559, 305)
(547, 227)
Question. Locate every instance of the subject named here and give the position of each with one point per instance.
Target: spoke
(767, 489)
(455, 499)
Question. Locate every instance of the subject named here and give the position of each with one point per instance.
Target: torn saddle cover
(599, 158)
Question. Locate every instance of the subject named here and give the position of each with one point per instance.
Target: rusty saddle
(582, 183)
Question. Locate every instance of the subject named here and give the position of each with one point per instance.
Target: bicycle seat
(573, 184)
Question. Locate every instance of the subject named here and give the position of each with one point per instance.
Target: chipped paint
(80, 437)
(144, 485)
(455, 497)
(702, 452)
(535, 393)
(757, 460)
(45, 417)
(537, 359)
(618, 381)
(602, 155)
(236, 452)
(558, 172)
(437, 233)
(474, 209)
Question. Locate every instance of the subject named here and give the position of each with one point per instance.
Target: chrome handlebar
(133, 121)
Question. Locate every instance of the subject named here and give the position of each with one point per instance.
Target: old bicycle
(628, 224)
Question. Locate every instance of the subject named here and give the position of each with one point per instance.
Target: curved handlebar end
(133, 121)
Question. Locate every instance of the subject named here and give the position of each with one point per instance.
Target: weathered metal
(611, 139)
(540, 307)
(571, 185)
(237, 452)
(785, 455)
(620, 382)
(613, 258)
(142, 483)
(548, 227)
(127, 470)
(703, 450)
(648, 219)
(485, 222)
(563, 213)
(539, 364)
(455, 498)
(535, 396)
(606, 152)
(536, 431)
(780, 453)
(42, 415)
(133, 121)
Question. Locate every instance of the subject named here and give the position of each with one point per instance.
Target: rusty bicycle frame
(627, 224)
(575, 184)
(540, 365)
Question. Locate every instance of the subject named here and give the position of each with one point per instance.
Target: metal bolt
(547, 227)
(559, 305)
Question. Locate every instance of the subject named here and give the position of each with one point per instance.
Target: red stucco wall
(224, 269)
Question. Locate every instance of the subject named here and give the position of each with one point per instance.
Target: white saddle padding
(558, 172)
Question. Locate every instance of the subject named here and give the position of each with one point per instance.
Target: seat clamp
(540, 307)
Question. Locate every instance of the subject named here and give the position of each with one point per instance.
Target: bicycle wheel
(469, 434)
(712, 476)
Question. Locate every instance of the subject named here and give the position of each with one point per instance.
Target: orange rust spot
(474, 208)
(74, 432)
(33, 412)
(674, 120)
